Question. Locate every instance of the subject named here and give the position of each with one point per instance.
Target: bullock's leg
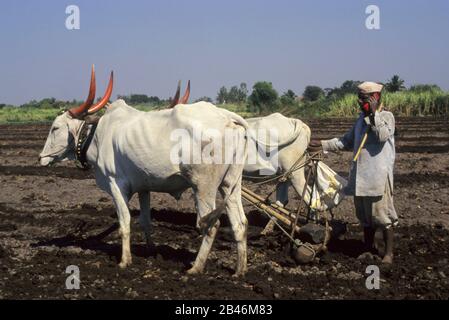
(282, 193)
(239, 223)
(205, 203)
(206, 245)
(232, 188)
(145, 217)
(121, 198)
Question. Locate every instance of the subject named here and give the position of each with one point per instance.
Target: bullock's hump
(119, 103)
(200, 111)
(194, 109)
(119, 108)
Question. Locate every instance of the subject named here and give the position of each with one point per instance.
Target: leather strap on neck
(84, 139)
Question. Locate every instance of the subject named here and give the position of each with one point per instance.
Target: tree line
(262, 99)
(314, 100)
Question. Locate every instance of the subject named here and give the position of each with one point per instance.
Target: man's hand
(315, 146)
(369, 120)
(373, 104)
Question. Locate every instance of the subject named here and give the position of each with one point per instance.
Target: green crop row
(405, 103)
(402, 103)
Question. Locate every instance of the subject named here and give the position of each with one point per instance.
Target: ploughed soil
(52, 218)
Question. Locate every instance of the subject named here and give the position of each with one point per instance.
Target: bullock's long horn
(79, 111)
(106, 97)
(185, 98)
(175, 100)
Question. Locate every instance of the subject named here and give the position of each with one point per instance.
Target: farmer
(371, 174)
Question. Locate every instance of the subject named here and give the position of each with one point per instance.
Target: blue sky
(152, 44)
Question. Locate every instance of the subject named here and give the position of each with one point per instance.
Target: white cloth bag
(328, 190)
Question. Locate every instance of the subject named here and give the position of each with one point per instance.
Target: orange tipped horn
(175, 100)
(79, 111)
(186, 96)
(106, 97)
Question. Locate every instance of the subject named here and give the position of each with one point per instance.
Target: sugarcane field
(170, 167)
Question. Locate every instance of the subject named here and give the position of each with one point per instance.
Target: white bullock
(129, 151)
(293, 137)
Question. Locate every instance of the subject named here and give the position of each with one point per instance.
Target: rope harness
(306, 159)
(280, 178)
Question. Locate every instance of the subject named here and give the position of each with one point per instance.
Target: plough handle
(362, 144)
(365, 136)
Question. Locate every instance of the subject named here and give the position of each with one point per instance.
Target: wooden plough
(296, 225)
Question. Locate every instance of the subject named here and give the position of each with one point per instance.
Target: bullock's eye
(54, 129)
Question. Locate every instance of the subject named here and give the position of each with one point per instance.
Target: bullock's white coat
(293, 139)
(130, 153)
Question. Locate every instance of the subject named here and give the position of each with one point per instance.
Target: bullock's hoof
(124, 264)
(193, 271)
(279, 204)
(239, 275)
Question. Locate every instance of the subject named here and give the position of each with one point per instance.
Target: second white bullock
(293, 137)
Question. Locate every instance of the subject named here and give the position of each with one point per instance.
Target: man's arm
(382, 124)
(344, 143)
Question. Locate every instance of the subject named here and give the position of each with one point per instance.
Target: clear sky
(152, 44)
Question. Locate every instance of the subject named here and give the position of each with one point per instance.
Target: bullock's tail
(236, 118)
(209, 220)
